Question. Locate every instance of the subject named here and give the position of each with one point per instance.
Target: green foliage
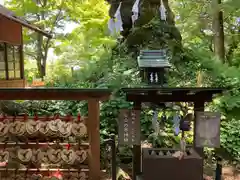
(104, 62)
(230, 138)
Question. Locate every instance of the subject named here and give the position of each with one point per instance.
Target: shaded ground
(229, 173)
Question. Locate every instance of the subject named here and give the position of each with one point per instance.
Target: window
(2, 62)
(11, 70)
(13, 60)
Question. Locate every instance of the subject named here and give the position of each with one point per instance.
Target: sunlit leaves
(90, 40)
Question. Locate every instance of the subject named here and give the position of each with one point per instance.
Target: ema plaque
(208, 129)
(129, 127)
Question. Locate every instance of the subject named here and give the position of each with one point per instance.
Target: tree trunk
(41, 51)
(40, 55)
(218, 29)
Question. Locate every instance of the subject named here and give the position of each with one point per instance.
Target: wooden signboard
(208, 129)
(129, 127)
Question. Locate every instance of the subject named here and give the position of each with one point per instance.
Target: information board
(208, 129)
(129, 127)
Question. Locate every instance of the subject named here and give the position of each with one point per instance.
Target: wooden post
(114, 158)
(137, 155)
(21, 61)
(94, 139)
(218, 29)
(218, 172)
(6, 61)
(198, 106)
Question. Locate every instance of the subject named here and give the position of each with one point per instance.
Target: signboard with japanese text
(129, 127)
(208, 129)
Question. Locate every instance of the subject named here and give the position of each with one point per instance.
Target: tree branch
(46, 47)
(31, 54)
(54, 25)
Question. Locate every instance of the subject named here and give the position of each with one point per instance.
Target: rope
(73, 176)
(24, 155)
(20, 177)
(45, 158)
(79, 129)
(17, 128)
(37, 156)
(4, 156)
(43, 128)
(36, 176)
(53, 178)
(53, 126)
(3, 129)
(68, 156)
(81, 155)
(32, 127)
(10, 177)
(65, 129)
(45, 178)
(54, 155)
(82, 176)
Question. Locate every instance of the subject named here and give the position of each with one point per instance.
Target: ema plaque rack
(42, 148)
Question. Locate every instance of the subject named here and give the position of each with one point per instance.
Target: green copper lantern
(152, 64)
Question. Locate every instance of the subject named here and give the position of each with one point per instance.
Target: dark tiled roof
(153, 58)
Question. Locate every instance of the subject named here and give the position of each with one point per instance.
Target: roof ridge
(21, 20)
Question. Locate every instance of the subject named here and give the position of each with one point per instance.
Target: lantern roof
(153, 59)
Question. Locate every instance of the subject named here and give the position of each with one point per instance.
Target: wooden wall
(10, 31)
(12, 83)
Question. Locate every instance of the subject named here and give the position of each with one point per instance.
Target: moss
(138, 36)
(147, 13)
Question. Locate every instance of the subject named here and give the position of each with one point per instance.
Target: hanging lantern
(185, 124)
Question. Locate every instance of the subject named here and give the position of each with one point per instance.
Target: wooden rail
(35, 144)
(92, 96)
(54, 94)
(16, 83)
